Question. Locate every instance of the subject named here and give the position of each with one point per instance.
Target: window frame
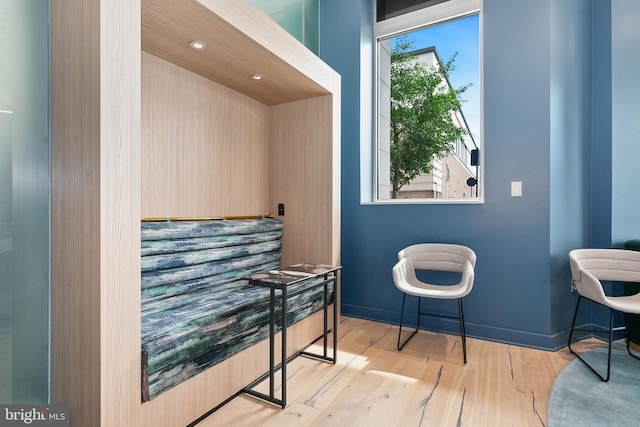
(402, 24)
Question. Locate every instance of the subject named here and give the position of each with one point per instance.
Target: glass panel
(299, 17)
(24, 201)
(312, 25)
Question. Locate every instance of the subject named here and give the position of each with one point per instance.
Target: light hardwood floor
(426, 384)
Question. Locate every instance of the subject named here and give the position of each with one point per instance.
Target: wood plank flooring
(426, 384)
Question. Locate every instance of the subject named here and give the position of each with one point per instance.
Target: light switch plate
(516, 188)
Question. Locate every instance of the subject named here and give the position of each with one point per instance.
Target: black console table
(281, 280)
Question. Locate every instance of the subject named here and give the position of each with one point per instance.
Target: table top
(292, 274)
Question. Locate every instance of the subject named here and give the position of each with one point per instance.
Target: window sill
(460, 201)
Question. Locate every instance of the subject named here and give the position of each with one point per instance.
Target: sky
(463, 36)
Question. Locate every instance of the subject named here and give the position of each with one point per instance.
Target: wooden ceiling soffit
(231, 57)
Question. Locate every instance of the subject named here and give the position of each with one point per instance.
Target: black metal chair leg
(401, 346)
(629, 351)
(573, 324)
(460, 318)
(462, 332)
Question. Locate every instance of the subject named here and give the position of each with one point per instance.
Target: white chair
(588, 268)
(441, 257)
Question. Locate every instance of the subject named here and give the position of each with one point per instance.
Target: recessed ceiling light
(257, 76)
(197, 45)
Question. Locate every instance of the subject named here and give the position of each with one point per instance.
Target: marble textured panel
(198, 307)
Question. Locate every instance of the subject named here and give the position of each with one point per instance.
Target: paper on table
(297, 273)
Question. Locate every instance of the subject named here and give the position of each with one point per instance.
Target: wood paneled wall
(301, 154)
(205, 147)
(95, 210)
(75, 209)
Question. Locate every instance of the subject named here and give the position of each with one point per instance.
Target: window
(429, 136)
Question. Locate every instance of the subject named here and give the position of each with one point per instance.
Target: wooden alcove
(157, 129)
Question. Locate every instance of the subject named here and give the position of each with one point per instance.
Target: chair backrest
(606, 264)
(590, 266)
(439, 256)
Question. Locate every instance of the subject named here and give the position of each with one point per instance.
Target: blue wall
(625, 140)
(537, 118)
(615, 152)
(600, 161)
(570, 137)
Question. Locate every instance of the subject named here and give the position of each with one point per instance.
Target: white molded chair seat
(442, 257)
(591, 266)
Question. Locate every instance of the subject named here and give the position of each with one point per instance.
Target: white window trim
(441, 12)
